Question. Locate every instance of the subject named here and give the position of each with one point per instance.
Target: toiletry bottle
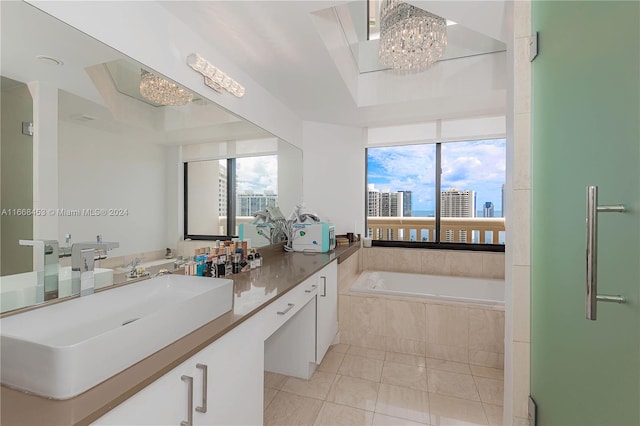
(236, 263)
(229, 261)
(251, 261)
(258, 259)
(221, 266)
(214, 266)
(207, 270)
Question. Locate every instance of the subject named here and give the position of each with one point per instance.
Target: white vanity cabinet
(234, 366)
(290, 331)
(327, 309)
(290, 336)
(297, 345)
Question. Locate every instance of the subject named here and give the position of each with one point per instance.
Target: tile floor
(359, 386)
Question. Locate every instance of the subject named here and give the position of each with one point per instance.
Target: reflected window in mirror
(100, 146)
(222, 196)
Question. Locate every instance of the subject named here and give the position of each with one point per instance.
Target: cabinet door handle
(189, 380)
(289, 307)
(324, 287)
(313, 287)
(203, 407)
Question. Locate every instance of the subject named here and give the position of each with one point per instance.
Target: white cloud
(257, 174)
(475, 165)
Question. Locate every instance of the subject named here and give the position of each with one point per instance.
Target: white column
(45, 158)
(518, 194)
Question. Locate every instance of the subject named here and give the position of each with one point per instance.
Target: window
(221, 194)
(256, 186)
(408, 201)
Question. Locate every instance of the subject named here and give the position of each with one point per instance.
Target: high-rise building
(373, 201)
(386, 203)
(487, 209)
(502, 209)
(391, 204)
(406, 203)
(456, 203)
(249, 203)
(222, 190)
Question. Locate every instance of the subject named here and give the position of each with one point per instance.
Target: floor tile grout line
(274, 397)
(486, 417)
(379, 380)
(342, 361)
(317, 418)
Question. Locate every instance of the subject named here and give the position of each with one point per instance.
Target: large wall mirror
(85, 154)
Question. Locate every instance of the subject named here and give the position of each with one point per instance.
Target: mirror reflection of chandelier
(411, 39)
(161, 91)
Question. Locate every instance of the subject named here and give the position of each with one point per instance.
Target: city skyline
(474, 165)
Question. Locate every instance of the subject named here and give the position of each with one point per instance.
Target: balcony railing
(482, 230)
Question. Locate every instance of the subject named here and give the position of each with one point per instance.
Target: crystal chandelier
(163, 92)
(411, 39)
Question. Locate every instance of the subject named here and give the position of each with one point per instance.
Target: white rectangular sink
(61, 350)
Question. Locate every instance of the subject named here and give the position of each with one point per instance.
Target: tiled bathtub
(450, 328)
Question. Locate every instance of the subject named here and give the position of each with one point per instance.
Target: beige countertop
(253, 290)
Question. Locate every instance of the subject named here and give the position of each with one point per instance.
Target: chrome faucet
(83, 257)
(46, 267)
(65, 251)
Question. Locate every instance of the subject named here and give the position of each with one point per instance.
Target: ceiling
(298, 51)
(292, 49)
(90, 91)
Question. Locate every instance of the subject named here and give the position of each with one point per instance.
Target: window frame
(434, 245)
(231, 208)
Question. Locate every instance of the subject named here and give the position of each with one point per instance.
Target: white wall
(103, 170)
(290, 177)
(17, 180)
(174, 198)
(45, 158)
(333, 179)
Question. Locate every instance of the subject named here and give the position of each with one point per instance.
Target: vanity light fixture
(214, 77)
(161, 91)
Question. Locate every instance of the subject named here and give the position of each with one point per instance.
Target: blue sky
(473, 165)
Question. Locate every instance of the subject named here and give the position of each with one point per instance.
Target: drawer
(277, 313)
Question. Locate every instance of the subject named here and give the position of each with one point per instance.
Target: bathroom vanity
(283, 319)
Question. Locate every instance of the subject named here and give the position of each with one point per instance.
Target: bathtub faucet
(134, 264)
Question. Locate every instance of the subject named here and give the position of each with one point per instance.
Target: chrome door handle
(313, 287)
(189, 380)
(203, 407)
(324, 287)
(289, 307)
(593, 209)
